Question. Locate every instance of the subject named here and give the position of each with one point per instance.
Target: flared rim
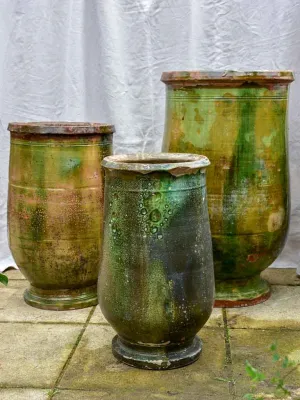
(227, 77)
(176, 164)
(62, 128)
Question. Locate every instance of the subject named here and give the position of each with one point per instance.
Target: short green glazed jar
(55, 209)
(238, 120)
(156, 281)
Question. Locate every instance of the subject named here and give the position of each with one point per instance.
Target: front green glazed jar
(55, 209)
(156, 282)
(238, 120)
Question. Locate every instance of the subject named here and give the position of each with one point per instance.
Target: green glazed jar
(156, 282)
(238, 120)
(55, 209)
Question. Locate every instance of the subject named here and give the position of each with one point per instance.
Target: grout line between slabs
(228, 356)
(267, 328)
(48, 389)
(61, 374)
(8, 387)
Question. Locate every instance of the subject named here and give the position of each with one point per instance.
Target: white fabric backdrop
(101, 60)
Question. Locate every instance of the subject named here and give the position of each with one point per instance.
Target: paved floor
(67, 355)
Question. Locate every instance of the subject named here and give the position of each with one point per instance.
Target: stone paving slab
(32, 355)
(84, 395)
(98, 317)
(24, 394)
(14, 274)
(94, 367)
(16, 284)
(14, 309)
(215, 320)
(281, 311)
(130, 395)
(253, 345)
(281, 276)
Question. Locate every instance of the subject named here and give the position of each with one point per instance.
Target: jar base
(156, 358)
(241, 293)
(61, 300)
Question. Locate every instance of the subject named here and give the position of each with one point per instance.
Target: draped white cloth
(101, 60)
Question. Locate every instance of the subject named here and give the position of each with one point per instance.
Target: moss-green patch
(70, 165)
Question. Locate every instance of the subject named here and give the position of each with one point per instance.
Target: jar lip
(62, 128)
(176, 164)
(229, 77)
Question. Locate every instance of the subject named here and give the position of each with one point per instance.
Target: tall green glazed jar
(55, 209)
(156, 282)
(238, 120)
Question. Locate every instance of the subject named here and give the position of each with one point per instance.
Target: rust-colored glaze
(242, 303)
(55, 209)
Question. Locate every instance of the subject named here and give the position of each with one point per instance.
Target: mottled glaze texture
(55, 210)
(238, 120)
(156, 282)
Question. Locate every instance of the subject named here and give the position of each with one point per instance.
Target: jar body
(55, 213)
(156, 282)
(242, 129)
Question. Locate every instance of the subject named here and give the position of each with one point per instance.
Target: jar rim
(176, 164)
(61, 128)
(229, 77)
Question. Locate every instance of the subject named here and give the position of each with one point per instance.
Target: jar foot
(156, 357)
(63, 299)
(241, 293)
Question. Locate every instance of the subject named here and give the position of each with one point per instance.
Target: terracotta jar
(156, 282)
(55, 209)
(238, 120)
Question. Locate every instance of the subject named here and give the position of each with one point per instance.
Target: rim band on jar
(175, 163)
(61, 128)
(226, 78)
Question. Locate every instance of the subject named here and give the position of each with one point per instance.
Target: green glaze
(55, 210)
(238, 120)
(156, 282)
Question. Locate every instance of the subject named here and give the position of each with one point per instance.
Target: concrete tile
(94, 367)
(14, 274)
(215, 320)
(281, 276)
(16, 284)
(98, 317)
(14, 309)
(82, 395)
(128, 395)
(33, 355)
(23, 394)
(253, 345)
(279, 312)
